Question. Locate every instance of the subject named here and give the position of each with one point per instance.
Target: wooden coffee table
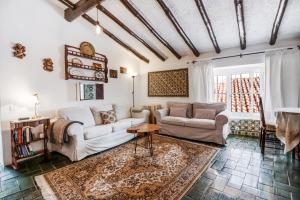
(145, 130)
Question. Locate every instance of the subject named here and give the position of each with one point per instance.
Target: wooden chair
(264, 127)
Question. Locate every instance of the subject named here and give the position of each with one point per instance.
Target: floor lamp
(133, 76)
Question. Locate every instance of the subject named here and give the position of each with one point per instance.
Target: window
(239, 87)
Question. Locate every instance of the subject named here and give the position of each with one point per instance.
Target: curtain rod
(245, 54)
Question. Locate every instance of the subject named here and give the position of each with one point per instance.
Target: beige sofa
(207, 130)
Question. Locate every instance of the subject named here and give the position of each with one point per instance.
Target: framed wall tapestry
(170, 83)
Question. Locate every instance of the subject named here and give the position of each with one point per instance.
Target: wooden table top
(144, 128)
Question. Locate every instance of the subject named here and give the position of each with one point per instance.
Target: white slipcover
(89, 138)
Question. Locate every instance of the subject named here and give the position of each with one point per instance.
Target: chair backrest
(261, 113)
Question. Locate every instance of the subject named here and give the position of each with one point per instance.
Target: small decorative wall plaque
(97, 66)
(19, 50)
(123, 70)
(48, 64)
(113, 73)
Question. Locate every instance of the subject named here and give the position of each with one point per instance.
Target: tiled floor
(237, 172)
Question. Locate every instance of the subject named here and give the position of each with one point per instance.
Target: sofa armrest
(222, 118)
(159, 114)
(76, 132)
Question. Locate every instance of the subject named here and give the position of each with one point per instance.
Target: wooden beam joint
(241, 22)
(208, 25)
(277, 21)
(178, 28)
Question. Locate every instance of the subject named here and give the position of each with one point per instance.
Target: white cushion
(201, 123)
(137, 121)
(122, 112)
(96, 112)
(124, 124)
(97, 131)
(82, 114)
(121, 125)
(180, 121)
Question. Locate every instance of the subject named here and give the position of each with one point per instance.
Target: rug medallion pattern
(121, 174)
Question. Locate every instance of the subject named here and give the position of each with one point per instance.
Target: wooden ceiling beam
(81, 7)
(207, 23)
(178, 28)
(109, 34)
(128, 30)
(277, 21)
(239, 10)
(135, 12)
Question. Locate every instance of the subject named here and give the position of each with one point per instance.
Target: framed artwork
(90, 91)
(170, 83)
(113, 73)
(123, 70)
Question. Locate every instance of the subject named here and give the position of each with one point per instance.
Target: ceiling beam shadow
(178, 28)
(134, 12)
(207, 23)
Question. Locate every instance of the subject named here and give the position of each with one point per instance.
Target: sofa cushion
(205, 114)
(179, 121)
(100, 108)
(108, 117)
(124, 124)
(201, 123)
(188, 106)
(219, 107)
(122, 112)
(121, 125)
(97, 131)
(178, 111)
(82, 114)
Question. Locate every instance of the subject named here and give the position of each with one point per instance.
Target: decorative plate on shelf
(76, 61)
(99, 75)
(87, 49)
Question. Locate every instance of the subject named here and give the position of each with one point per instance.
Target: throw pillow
(205, 114)
(108, 117)
(178, 111)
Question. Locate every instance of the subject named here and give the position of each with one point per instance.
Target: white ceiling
(259, 17)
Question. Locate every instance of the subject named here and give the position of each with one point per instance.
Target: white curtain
(282, 81)
(202, 82)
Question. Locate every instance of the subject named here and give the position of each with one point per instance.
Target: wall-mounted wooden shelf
(72, 52)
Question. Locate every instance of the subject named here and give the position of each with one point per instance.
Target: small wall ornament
(123, 70)
(113, 73)
(48, 64)
(19, 50)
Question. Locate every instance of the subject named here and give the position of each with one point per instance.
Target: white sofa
(91, 138)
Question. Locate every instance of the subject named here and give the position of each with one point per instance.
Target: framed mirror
(90, 91)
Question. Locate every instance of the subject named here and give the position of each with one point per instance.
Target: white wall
(40, 26)
(173, 63)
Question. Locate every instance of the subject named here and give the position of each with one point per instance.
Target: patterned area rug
(121, 174)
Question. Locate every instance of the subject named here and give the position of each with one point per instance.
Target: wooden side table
(152, 108)
(20, 147)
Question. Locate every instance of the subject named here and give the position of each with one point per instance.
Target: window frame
(251, 69)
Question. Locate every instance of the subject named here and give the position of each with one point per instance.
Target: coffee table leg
(151, 144)
(135, 145)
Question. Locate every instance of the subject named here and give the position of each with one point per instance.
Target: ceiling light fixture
(98, 27)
